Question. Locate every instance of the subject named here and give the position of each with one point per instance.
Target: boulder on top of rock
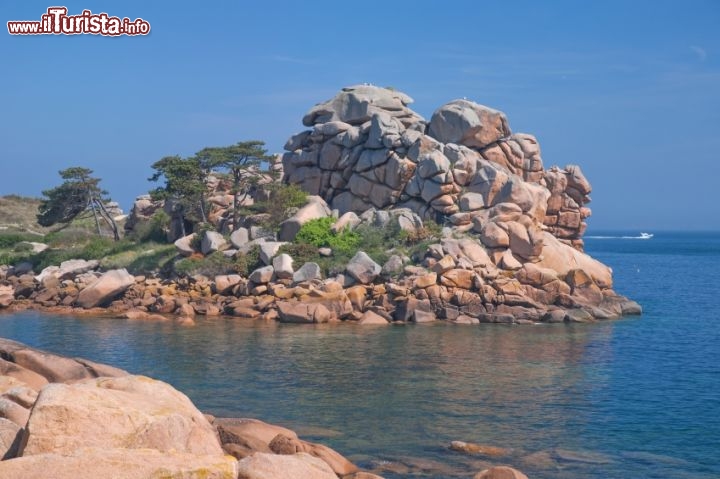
(468, 123)
(106, 288)
(362, 268)
(307, 272)
(315, 208)
(358, 103)
(73, 267)
(240, 237)
(184, 245)
(212, 241)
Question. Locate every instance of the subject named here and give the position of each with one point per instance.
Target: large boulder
(120, 464)
(314, 209)
(300, 312)
(106, 288)
(356, 104)
(184, 245)
(212, 241)
(278, 466)
(362, 268)
(467, 123)
(563, 258)
(128, 412)
(10, 435)
(282, 444)
(74, 267)
(243, 436)
(36, 368)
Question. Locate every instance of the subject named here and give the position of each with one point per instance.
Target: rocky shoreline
(78, 418)
(510, 249)
(456, 282)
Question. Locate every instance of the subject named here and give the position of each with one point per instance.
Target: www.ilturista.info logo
(57, 22)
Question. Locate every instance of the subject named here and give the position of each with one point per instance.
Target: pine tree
(77, 194)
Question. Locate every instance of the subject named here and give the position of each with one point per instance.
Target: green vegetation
(378, 242)
(18, 214)
(242, 161)
(155, 229)
(10, 240)
(184, 186)
(217, 263)
(76, 209)
(78, 194)
(317, 232)
(282, 202)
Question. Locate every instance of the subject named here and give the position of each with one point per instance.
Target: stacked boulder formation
(367, 148)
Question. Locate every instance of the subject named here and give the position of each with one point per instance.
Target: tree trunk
(91, 203)
(109, 220)
(203, 216)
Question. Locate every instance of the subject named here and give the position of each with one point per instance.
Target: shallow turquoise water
(630, 398)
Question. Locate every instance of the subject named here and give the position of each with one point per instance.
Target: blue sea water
(634, 398)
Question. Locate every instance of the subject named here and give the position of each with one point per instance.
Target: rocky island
(506, 246)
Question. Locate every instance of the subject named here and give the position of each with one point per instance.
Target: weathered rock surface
(136, 427)
(107, 287)
(120, 464)
(363, 268)
(368, 155)
(277, 466)
(128, 412)
(500, 472)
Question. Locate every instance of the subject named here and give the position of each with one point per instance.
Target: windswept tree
(242, 161)
(79, 193)
(184, 186)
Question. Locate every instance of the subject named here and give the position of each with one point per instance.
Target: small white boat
(646, 235)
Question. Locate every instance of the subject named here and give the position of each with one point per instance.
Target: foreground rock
(273, 466)
(130, 426)
(500, 472)
(129, 412)
(120, 464)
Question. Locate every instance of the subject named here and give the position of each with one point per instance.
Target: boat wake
(642, 236)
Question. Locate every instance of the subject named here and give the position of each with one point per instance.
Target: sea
(637, 397)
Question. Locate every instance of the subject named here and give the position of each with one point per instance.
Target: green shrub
(155, 229)
(141, 258)
(200, 230)
(317, 232)
(12, 239)
(429, 231)
(23, 247)
(284, 199)
(248, 262)
(68, 237)
(211, 265)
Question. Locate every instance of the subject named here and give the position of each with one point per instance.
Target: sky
(630, 91)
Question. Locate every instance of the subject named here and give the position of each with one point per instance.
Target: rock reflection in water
(393, 392)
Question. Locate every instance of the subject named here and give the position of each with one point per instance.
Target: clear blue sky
(628, 90)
